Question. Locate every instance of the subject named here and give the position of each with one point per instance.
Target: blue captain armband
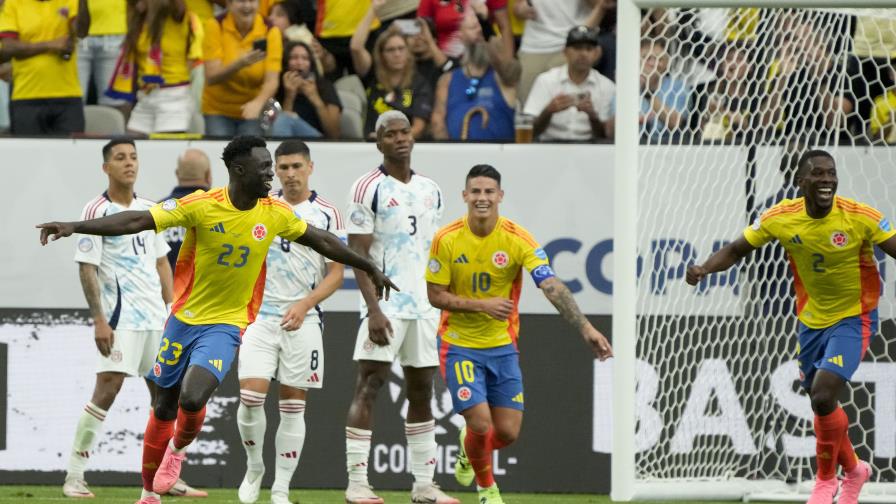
(542, 273)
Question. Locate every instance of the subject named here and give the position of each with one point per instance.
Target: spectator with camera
(310, 105)
(390, 76)
(476, 100)
(243, 58)
(573, 102)
(163, 42)
(39, 37)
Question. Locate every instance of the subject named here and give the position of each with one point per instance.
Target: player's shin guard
(829, 430)
(288, 442)
(422, 450)
(155, 440)
(252, 424)
(479, 453)
(189, 423)
(357, 453)
(89, 426)
(846, 456)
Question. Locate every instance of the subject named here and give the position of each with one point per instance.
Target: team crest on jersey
(434, 265)
(464, 393)
(157, 370)
(259, 232)
(428, 202)
(357, 217)
(169, 204)
(839, 239)
(115, 356)
(368, 345)
(500, 259)
(85, 244)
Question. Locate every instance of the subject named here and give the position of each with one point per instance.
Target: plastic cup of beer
(523, 126)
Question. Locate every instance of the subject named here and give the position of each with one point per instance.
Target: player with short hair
(393, 214)
(218, 289)
(285, 341)
(193, 172)
(829, 240)
(475, 277)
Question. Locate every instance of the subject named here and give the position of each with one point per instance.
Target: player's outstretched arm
(122, 223)
(329, 245)
(440, 297)
(889, 246)
(723, 259)
(560, 296)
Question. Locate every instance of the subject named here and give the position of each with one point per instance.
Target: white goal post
(725, 343)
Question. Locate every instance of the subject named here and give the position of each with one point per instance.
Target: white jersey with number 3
(402, 219)
(130, 290)
(294, 270)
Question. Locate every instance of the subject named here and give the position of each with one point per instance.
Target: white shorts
(162, 110)
(413, 342)
(133, 353)
(294, 358)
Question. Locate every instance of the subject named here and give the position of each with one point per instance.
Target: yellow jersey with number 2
(477, 267)
(220, 271)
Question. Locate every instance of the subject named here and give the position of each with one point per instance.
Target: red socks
(846, 457)
(479, 453)
(830, 433)
(189, 423)
(155, 441)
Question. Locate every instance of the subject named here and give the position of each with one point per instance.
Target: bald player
(194, 172)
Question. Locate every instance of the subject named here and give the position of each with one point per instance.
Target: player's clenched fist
(56, 230)
(695, 274)
(497, 308)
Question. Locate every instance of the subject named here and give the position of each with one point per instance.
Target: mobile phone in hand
(260, 45)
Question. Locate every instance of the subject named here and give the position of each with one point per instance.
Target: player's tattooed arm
(103, 336)
(122, 223)
(560, 296)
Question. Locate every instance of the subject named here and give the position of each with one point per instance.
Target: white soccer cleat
(76, 488)
(280, 498)
(431, 494)
(250, 487)
(359, 493)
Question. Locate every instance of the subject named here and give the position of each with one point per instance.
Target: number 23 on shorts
(464, 372)
(176, 350)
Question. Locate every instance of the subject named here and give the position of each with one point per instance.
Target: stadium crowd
(312, 69)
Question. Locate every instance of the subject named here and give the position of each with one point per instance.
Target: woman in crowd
(448, 16)
(161, 46)
(242, 69)
(310, 104)
(390, 76)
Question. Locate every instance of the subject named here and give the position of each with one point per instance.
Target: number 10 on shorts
(464, 372)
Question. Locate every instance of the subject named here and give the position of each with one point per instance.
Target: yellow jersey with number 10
(834, 271)
(477, 267)
(220, 270)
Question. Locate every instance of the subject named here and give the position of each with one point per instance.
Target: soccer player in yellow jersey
(829, 240)
(218, 287)
(475, 277)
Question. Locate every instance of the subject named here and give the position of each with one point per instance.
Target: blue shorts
(838, 349)
(212, 346)
(478, 375)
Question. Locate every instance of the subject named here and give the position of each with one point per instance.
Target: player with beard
(830, 242)
(218, 287)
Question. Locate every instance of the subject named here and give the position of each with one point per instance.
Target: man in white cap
(393, 215)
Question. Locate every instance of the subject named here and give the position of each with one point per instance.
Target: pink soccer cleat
(169, 471)
(853, 482)
(149, 499)
(824, 491)
(182, 489)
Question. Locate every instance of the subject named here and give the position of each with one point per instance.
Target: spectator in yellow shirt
(98, 52)
(883, 115)
(242, 69)
(39, 36)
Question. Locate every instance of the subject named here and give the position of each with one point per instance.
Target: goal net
(729, 99)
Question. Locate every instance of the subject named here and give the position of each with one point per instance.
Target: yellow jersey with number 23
(220, 270)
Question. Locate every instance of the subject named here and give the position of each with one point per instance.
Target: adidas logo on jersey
(314, 378)
(392, 203)
(462, 259)
(216, 363)
(796, 239)
(290, 454)
(218, 228)
(837, 360)
(518, 398)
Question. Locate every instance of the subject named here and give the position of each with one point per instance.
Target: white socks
(288, 442)
(422, 450)
(89, 426)
(357, 452)
(252, 425)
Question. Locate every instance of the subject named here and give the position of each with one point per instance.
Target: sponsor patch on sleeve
(169, 204)
(434, 265)
(357, 217)
(85, 244)
(884, 225)
(540, 253)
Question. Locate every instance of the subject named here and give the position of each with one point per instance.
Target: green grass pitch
(108, 495)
